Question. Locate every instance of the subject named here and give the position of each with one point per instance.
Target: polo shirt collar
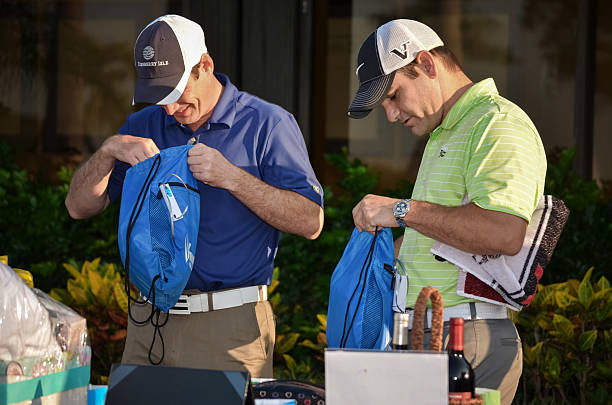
(224, 111)
(484, 88)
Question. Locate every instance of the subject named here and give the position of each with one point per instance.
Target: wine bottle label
(459, 395)
(400, 292)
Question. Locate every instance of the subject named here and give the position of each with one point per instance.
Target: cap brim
(369, 95)
(156, 90)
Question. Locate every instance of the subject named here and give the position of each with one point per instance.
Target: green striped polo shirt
(487, 152)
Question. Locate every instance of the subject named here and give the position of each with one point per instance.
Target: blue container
(96, 394)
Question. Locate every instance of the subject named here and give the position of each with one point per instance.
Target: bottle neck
(455, 342)
(400, 330)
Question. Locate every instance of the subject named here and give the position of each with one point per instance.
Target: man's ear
(207, 63)
(427, 64)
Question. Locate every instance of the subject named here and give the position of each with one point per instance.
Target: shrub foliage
(566, 331)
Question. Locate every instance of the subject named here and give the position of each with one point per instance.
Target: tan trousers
(240, 338)
(493, 348)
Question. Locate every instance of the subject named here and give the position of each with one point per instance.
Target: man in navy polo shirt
(255, 181)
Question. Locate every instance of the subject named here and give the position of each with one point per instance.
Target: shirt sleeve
(504, 172)
(285, 163)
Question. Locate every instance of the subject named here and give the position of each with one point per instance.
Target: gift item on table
(44, 349)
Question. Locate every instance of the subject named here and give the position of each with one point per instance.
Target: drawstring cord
(154, 316)
(366, 266)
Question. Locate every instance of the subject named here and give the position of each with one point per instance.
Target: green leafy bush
(36, 231)
(587, 238)
(567, 343)
(97, 292)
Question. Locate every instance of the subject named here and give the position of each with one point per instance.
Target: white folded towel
(510, 280)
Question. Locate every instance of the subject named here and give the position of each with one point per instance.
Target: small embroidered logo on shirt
(443, 150)
(316, 188)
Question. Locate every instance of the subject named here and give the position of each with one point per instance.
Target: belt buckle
(181, 307)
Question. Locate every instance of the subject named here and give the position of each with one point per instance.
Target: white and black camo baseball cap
(392, 46)
(164, 54)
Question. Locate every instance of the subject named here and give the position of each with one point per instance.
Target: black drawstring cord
(135, 213)
(157, 326)
(366, 265)
(155, 312)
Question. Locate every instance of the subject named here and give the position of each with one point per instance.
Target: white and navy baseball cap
(392, 46)
(164, 54)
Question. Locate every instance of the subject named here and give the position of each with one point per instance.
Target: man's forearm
(284, 210)
(87, 194)
(468, 227)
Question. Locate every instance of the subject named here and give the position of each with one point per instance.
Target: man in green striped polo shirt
(480, 179)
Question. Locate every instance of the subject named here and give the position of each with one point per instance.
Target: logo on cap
(359, 67)
(403, 53)
(148, 52)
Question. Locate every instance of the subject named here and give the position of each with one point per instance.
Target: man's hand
(87, 194)
(210, 167)
(374, 211)
(129, 149)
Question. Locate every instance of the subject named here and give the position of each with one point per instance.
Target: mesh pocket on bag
(161, 234)
(373, 312)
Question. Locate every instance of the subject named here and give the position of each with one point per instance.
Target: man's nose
(390, 111)
(171, 108)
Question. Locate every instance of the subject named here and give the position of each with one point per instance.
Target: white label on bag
(175, 211)
(399, 293)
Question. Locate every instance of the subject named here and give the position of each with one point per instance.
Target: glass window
(527, 47)
(67, 76)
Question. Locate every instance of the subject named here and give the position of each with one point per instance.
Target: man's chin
(183, 120)
(416, 131)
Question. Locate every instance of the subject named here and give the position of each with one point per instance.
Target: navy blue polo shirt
(235, 247)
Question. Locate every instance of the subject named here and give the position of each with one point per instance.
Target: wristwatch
(400, 209)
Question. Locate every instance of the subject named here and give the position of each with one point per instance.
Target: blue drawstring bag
(159, 221)
(360, 311)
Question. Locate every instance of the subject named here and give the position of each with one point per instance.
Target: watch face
(401, 208)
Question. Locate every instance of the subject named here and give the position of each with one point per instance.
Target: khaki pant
(240, 338)
(493, 348)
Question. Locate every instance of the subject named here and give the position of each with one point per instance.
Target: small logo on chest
(443, 150)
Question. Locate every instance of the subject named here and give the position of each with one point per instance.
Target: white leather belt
(215, 300)
(468, 311)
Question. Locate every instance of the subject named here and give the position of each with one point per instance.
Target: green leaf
(563, 326)
(99, 288)
(109, 273)
(531, 353)
(291, 364)
(61, 295)
(322, 321)
(552, 371)
(604, 295)
(72, 270)
(120, 296)
(604, 313)
(587, 340)
(308, 343)
(77, 293)
(585, 291)
(563, 299)
(545, 297)
(286, 342)
(545, 322)
(273, 286)
(275, 301)
(602, 284)
(604, 369)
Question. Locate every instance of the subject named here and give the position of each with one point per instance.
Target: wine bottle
(460, 373)
(400, 331)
